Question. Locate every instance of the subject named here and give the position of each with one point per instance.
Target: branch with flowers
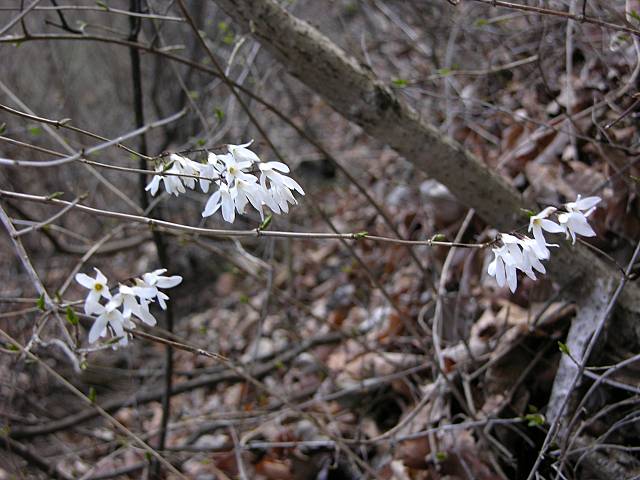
(237, 188)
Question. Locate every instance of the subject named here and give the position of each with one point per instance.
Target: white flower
(278, 194)
(185, 166)
(248, 191)
(242, 154)
(208, 171)
(540, 222)
(109, 315)
(503, 268)
(97, 289)
(172, 183)
(574, 221)
(131, 305)
(221, 198)
(156, 279)
(508, 258)
(532, 253)
(583, 205)
(233, 168)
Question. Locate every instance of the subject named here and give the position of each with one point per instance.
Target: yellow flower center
(98, 287)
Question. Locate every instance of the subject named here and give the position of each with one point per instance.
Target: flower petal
(550, 226)
(169, 282)
(98, 328)
(85, 280)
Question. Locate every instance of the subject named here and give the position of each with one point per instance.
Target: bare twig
(255, 233)
(19, 17)
(557, 13)
(555, 427)
(101, 146)
(124, 430)
(48, 221)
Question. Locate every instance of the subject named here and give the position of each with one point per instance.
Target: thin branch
(32, 273)
(282, 357)
(124, 430)
(105, 9)
(48, 221)
(101, 146)
(254, 233)
(553, 431)
(32, 458)
(557, 13)
(19, 17)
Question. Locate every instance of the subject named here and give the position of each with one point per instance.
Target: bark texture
(356, 93)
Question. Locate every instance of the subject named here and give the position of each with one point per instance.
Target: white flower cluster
(525, 254)
(115, 315)
(236, 186)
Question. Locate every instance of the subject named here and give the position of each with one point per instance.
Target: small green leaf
(534, 419)
(55, 195)
(444, 72)
(201, 142)
(72, 318)
(243, 298)
(92, 395)
(441, 456)
(219, 114)
(148, 457)
(228, 38)
(633, 14)
(351, 8)
(481, 22)
(34, 130)
(3, 128)
(265, 223)
(360, 235)
(399, 82)
(12, 347)
(564, 348)
(438, 237)
(102, 5)
(528, 213)
(223, 27)
(40, 302)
